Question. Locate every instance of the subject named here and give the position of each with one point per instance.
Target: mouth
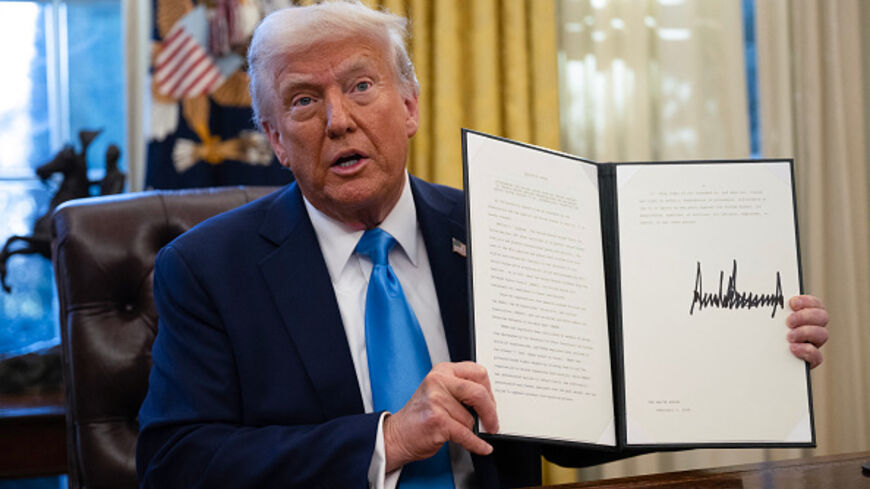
(348, 160)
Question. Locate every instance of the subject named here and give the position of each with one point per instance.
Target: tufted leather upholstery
(103, 252)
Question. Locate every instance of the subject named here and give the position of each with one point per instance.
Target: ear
(413, 116)
(275, 141)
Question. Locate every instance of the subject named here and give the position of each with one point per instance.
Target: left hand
(807, 328)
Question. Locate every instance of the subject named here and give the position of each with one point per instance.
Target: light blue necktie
(397, 353)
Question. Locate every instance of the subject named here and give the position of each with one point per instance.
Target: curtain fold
(811, 81)
(488, 65)
(648, 80)
(543, 50)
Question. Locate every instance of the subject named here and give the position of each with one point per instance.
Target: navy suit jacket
(253, 385)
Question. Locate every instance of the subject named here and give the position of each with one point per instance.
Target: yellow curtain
(488, 65)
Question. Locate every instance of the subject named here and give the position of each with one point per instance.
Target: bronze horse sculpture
(74, 185)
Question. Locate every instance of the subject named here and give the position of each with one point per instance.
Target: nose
(339, 118)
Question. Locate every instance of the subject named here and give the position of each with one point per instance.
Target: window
(63, 71)
(656, 80)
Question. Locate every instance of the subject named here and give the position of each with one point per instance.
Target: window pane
(42, 483)
(96, 75)
(63, 71)
(29, 313)
(24, 123)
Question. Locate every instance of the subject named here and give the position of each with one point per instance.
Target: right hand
(437, 413)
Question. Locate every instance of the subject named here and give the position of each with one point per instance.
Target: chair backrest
(103, 253)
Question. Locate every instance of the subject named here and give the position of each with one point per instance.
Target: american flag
(184, 68)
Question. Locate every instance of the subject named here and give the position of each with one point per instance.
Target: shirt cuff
(378, 478)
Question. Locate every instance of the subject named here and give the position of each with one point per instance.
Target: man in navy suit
(260, 374)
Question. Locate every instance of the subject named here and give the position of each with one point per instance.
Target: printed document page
(540, 320)
(708, 261)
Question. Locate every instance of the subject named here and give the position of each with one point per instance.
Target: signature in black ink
(732, 298)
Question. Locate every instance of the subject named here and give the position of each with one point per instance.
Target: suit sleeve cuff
(378, 478)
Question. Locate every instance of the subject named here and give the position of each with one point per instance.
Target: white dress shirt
(349, 273)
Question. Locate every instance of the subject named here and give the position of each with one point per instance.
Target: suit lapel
(441, 220)
(299, 282)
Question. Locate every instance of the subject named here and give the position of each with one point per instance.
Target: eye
(303, 101)
(363, 86)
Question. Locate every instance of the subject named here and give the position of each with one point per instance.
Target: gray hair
(297, 28)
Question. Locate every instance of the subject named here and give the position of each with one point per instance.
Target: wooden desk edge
(682, 477)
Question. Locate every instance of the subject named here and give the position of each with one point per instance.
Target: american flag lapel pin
(458, 247)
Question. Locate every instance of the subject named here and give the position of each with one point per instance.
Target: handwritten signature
(732, 298)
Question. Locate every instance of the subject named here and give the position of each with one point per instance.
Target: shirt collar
(338, 240)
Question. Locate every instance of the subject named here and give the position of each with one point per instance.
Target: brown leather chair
(103, 253)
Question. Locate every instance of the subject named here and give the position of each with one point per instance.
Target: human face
(341, 122)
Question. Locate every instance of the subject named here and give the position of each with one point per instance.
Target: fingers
(799, 302)
(467, 384)
(438, 412)
(446, 415)
(471, 387)
(811, 316)
(470, 371)
(808, 328)
(468, 440)
(807, 352)
(458, 412)
(815, 335)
